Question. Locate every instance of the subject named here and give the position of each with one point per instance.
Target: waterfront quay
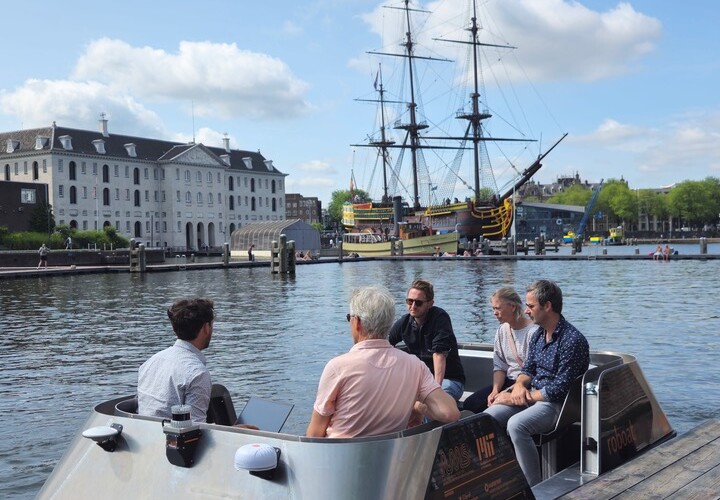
(685, 467)
(209, 263)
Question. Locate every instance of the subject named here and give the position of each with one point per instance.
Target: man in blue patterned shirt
(558, 354)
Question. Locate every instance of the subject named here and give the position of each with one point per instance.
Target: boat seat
(221, 410)
(127, 407)
(570, 414)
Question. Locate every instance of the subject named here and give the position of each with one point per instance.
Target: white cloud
(557, 39)
(76, 104)
(221, 79)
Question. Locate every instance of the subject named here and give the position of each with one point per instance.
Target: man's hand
(247, 426)
(419, 411)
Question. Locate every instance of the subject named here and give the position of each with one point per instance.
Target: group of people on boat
(376, 389)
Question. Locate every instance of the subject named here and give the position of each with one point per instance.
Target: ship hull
(422, 245)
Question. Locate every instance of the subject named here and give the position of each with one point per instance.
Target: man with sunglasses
(428, 334)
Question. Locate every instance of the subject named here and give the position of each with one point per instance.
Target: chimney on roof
(226, 143)
(103, 125)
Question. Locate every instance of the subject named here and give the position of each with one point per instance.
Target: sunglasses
(348, 316)
(418, 303)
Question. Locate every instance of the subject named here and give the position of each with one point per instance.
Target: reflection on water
(71, 342)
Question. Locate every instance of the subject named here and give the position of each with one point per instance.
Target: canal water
(71, 342)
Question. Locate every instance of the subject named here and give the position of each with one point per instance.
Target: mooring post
(291, 260)
(282, 250)
(703, 246)
(226, 254)
(142, 263)
(274, 257)
(340, 250)
(399, 245)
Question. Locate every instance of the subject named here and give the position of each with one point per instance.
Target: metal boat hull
(618, 417)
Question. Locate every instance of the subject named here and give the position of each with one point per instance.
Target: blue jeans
(453, 387)
(522, 423)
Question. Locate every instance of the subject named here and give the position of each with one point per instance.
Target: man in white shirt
(178, 375)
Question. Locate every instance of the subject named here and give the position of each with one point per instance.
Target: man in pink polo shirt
(373, 388)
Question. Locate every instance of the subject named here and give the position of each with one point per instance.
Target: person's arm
(439, 363)
(499, 377)
(574, 358)
(520, 393)
(396, 330)
(441, 406)
(318, 425)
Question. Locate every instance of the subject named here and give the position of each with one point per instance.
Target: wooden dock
(685, 467)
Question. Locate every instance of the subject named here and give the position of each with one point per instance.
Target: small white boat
(608, 418)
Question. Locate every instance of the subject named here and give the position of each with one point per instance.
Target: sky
(634, 84)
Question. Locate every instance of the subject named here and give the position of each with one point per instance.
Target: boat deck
(685, 467)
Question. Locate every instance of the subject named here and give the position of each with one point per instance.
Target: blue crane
(588, 209)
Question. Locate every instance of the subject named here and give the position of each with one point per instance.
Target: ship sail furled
(421, 158)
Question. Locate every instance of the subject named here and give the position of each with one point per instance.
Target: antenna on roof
(192, 106)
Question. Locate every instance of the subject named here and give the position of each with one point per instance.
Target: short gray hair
(509, 295)
(376, 309)
(547, 291)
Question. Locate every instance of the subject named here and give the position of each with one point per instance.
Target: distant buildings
(308, 209)
(159, 192)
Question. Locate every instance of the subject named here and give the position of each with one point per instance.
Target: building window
(127, 176)
(72, 171)
(116, 171)
(7, 171)
(36, 171)
(199, 198)
(117, 194)
(219, 198)
(231, 201)
(147, 195)
(252, 203)
(73, 195)
(272, 186)
(106, 196)
(155, 174)
(146, 173)
(155, 196)
(210, 199)
(106, 173)
(84, 192)
(83, 168)
(85, 225)
(177, 196)
(136, 176)
(231, 184)
(127, 195)
(44, 166)
(177, 174)
(163, 195)
(28, 196)
(198, 176)
(188, 197)
(94, 168)
(209, 177)
(61, 191)
(252, 185)
(274, 205)
(187, 176)
(137, 197)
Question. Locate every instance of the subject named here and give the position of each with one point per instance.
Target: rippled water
(71, 342)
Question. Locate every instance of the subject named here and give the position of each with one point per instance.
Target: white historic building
(161, 193)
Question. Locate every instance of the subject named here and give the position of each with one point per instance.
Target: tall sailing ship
(485, 211)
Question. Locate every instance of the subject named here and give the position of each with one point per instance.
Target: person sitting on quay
(557, 355)
(512, 339)
(374, 388)
(427, 332)
(658, 253)
(179, 375)
(667, 252)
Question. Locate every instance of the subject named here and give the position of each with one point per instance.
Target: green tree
(577, 195)
(339, 197)
(42, 219)
(696, 202)
(618, 202)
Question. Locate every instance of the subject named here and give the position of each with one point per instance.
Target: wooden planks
(685, 467)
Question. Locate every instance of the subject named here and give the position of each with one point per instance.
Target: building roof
(262, 235)
(26, 142)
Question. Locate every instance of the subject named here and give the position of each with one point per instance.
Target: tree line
(693, 204)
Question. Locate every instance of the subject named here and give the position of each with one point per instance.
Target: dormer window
(225, 158)
(41, 141)
(12, 145)
(269, 165)
(99, 146)
(130, 148)
(66, 142)
(248, 163)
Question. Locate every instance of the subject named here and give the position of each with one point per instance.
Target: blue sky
(635, 84)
